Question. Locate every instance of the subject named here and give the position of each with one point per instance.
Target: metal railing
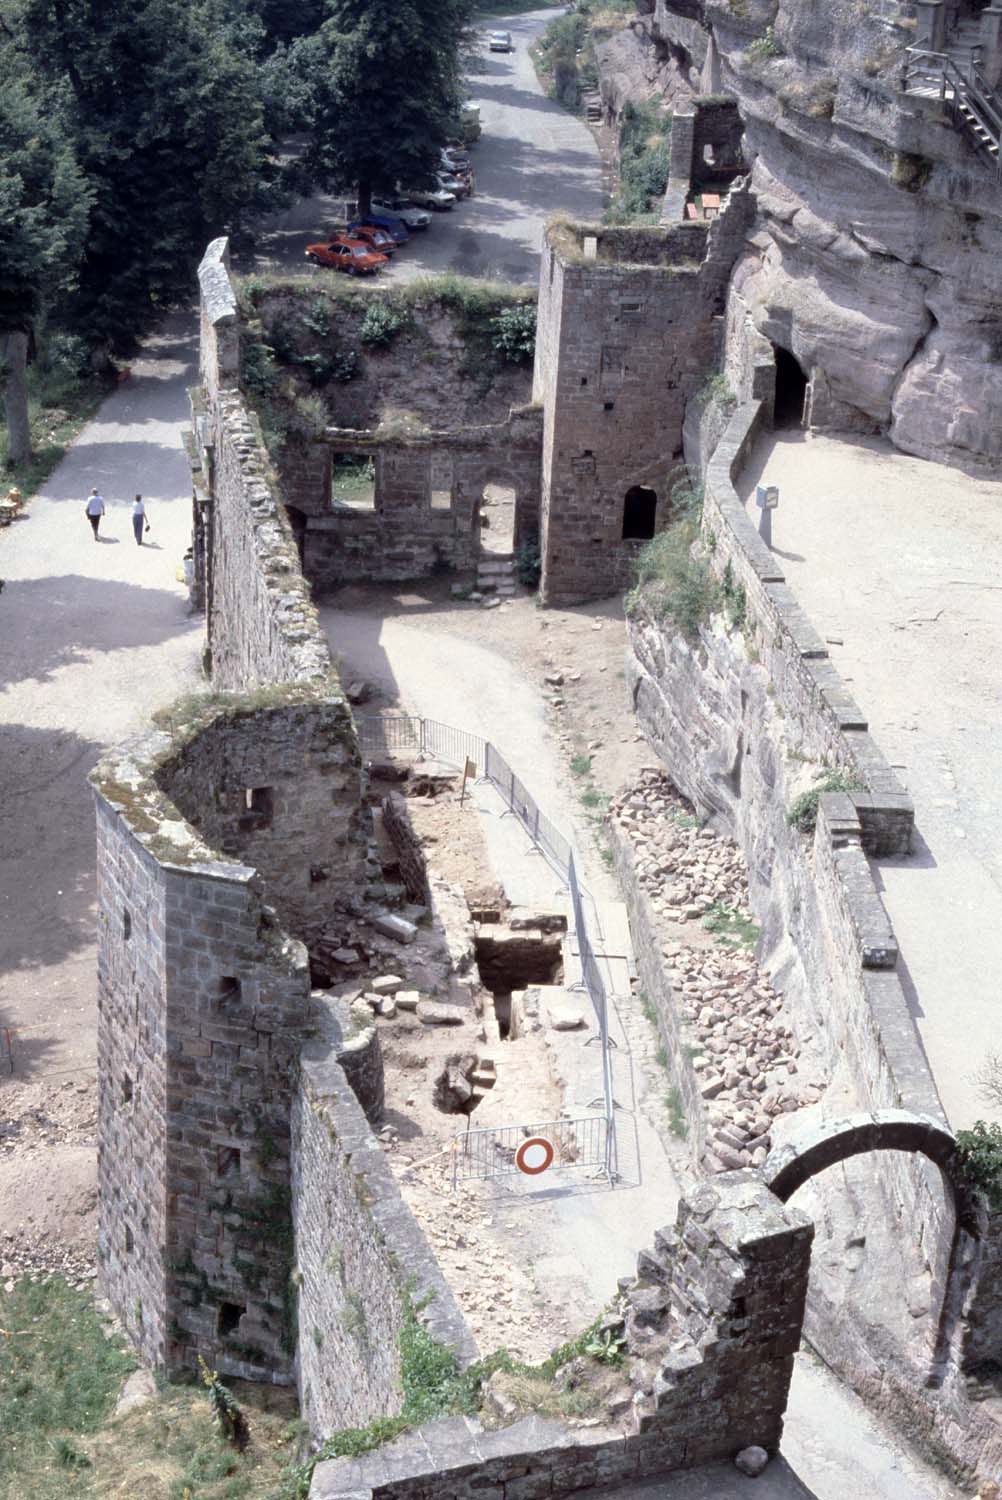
(492, 1152)
(974, 106)
(455, 747)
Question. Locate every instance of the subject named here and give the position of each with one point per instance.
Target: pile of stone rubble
(746, 1057)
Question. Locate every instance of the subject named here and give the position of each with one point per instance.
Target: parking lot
(533, 159)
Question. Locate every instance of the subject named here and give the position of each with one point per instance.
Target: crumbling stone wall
(277, 788)
(628, 328)
(713, 1318)
(202, 999)
(410, 855)
(404, 535)
(359, 1250)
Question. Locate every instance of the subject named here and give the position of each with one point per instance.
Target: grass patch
(581, 764)
(677, 1122)
(675, 584)
(803, 813)
(730, 926)
(643, 163)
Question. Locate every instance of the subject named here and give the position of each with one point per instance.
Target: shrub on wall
(980, 1154)
(514, 333)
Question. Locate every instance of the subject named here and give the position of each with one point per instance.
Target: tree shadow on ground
(52, 623)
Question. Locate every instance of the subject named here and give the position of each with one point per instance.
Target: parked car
(403, 209)
(344, 254)
(435, 197)
(500, 41)
(469, 122)
(456, 158)
(450, 183)
(373, 235)
(393, 226)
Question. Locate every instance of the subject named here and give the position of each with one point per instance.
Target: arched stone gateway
(790, 1165)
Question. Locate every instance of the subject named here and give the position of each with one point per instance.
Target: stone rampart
(714, 1315)
(359, 1251)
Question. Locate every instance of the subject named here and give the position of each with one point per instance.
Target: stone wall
(407, 533)
(629, 326)
(202, 1002)
(714, 1315)
(278, 788)
(410, 855)
(358, 1249)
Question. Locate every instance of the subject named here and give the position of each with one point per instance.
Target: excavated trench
(513, 961)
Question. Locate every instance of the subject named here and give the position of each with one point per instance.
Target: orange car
(348, 255)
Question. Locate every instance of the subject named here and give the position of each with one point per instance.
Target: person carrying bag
(140, 520)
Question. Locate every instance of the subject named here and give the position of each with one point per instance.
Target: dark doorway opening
(513, 961)
(791, 389)
(639, 512)
(297, 520)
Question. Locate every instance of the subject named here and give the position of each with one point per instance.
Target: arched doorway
(640, 508)
(791, 390)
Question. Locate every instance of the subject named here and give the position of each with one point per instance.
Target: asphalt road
(532, 160)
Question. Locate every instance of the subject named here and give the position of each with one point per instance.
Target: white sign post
(767, 500)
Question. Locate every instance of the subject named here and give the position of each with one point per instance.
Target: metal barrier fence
(454, 746)
(493, 1152)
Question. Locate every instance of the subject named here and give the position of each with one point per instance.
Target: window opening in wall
(353, 481)
(227, 991)
(441, 499)
(497, 520)
(126, 1089)
(584, 379)
(228, 1161)
(129, 1242)
(126, 925)
(608, 405)
(791, 389)
(259, 802)
(639, 514)
(230, 1314)
(629, 309)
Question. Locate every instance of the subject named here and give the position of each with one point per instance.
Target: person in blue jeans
(95, 510)
(139, 520)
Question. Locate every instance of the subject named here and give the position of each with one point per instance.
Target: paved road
(93, 636)
(532, 160)
(897, 559)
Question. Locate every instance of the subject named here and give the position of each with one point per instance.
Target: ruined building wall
(202, 1006)
(358, 1248)
(278, 789)
(629, 325)
(407, 533)
(712, 1323)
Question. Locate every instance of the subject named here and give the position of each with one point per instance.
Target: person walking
(95, 510)
(140, 523)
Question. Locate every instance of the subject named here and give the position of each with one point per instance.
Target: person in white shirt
(95, 510)
(139, 521)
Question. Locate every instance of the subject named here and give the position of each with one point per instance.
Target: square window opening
(353, 481)
(227, 991)
(228, 1321)
(259, 802)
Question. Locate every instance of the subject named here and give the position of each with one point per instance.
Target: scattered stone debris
(748, 1062)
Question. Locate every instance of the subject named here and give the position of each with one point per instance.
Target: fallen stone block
(397, 928)
(386, 984)
(407, 999)
(565, 1017)
(345, 956)
(438, 1013)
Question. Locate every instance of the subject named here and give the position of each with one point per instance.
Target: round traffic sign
(534, 1155)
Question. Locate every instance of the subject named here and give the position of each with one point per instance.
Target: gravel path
(895, 561)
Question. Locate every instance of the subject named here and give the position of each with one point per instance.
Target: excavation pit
(510, 962)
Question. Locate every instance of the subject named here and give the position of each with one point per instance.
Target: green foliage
(674, 584)
(731, 926)
(59, 1377)
(735, 599)
(643, 162)
(677, 1123)
(528, 565)
(803, 813)
(581, 764)
(980, 1153)
(354, 1320)
(514, 333)
(607, 1347)
(382, 322)
(226, 1413)
(765, 46)
(715, 388)
(369, 64)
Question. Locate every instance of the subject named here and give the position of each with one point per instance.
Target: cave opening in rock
(512, 961)
(791, 389)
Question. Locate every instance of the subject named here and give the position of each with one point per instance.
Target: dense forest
(132, 133)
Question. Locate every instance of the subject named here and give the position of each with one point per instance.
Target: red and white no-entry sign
(534, 1155)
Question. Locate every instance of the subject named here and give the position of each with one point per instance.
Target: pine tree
(387, 92)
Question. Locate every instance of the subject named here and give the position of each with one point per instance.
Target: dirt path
(895, 561)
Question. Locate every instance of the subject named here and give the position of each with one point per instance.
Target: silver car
(403, 209)
(500, 41)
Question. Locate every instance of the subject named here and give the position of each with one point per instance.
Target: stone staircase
(592, 106)
(496, 575)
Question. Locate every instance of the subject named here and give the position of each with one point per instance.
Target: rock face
(876, 256)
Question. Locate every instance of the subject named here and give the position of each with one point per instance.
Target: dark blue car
(395, 228)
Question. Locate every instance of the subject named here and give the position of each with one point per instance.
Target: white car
(500, 41)
(454, 185)
(435, 197)
(403, 209)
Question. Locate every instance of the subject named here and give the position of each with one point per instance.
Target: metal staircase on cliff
(954, 77)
